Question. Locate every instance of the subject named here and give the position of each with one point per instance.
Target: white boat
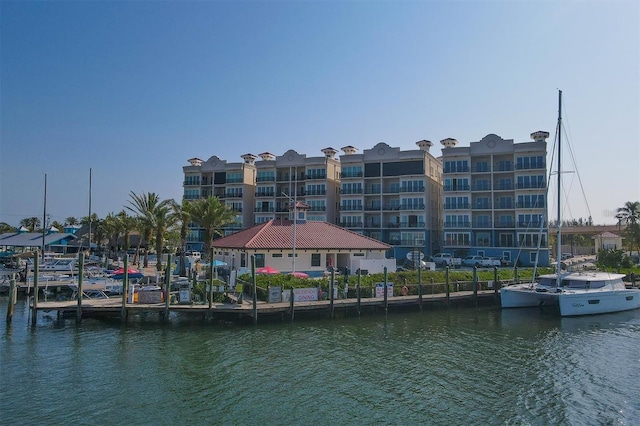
(595, 292)
(576, 293)
(59, 265)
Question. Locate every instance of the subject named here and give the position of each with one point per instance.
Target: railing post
(446, 279)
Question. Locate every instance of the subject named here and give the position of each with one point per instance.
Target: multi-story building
(295, 177)
(234, 183)
(495, 194)
(393, 196)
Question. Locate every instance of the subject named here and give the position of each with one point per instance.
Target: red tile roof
(278, 234)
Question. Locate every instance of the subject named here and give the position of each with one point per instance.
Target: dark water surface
(461, 366)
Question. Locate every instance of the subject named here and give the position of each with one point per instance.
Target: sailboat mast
(559, 237)
(89, 211)
(44, 215)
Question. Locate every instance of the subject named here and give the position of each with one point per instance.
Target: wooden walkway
(114, 306)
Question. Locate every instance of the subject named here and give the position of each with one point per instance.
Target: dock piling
(358, 305)
(167, 288)
(36, 267)
(446, 285)
(386, 299)
(11, 299)
(333, 274)
(420, 288)
(80, 281)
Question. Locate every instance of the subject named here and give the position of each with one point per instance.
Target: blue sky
(134, 89)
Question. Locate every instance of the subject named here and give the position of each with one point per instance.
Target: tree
(111, 227)
(629, 215)
(182, 213)
(212, 215)
(57, 225)
(31, 223)
(71, 221)
(157, 215)
(5, 228)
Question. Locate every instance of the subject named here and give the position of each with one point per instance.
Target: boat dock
(253, 310)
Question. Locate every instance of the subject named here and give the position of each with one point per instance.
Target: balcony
(504, 225)
(504, 167)
(372, 208)
(481, 168)
(314, 176)
(264, 210)
(450, 188)
(350, 208)
(351, 174)
(370, 190)
(481, 187)
(351, 224)
(456, 206)
(412, 206)
(530, 205)
(351, 191)
(234, 180)
(482, 206)
(233, 195)
(314, 192)
(531, 166)
(462, 169)
(532, 225)
(412, 189)
(503, 187)
(482, 224)
(535, 185)
(265, 179)
(457, 224)
(391, 207)
(504, 206)
(318, 209)
(265, 194)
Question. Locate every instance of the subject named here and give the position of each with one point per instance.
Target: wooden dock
(114, 307)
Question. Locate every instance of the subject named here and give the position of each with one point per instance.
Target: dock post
(333, 274)
(211, 281)
(420, 288)
(291, 303)
(254, 290)
(515, 274)
(36, 267)
(125, 289)
(476, 284)
(446, 280)
(386, 298)
(358, 291)
(167, 289)
(80, 279)
(496, 284)
(12, 300)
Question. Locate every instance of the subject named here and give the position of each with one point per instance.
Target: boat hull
(526, 296)
(576, 303)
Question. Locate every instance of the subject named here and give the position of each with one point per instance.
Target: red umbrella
(267, 270)
(129, 271)
(299, 274)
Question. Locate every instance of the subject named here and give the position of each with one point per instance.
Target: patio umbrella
(129, 271)
(299, 274)
(267, 270)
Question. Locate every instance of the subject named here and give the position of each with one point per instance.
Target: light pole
(295, 221)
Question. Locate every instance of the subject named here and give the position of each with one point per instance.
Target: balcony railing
(318, 208)
(315, 176)
(504, 206)
(315, 192)
(457, 224)
(481, 187)
(505, 225)
(265, 179)
(412, 189)
(449, 188)
(463, 169)
(234, 180)
(457, 206)
(531, 166)
(412, 206)
(482, 206)
(540, 185)
(351, 174)
(482, 224)
(503, 187)
(347, 191)
(351, 224)
(264, 210)
(350, 208)
(539, 205)
(265, 194)
(233, 195)
(534, 225)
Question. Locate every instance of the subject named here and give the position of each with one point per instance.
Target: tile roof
(605, 234)
(278, 234)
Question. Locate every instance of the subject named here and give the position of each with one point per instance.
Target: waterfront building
(311, 247)
(495, 199)
(282, 180)
(393, 196)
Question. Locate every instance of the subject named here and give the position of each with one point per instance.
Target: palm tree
(182, 213)
(629, 215)
(71, 221)
(112, 228)
(212, 215)
(127, 224)
(31, 223)
(156, 214)
(57, 225)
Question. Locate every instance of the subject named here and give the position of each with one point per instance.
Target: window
(276, 255)
(259, 260)
(315, 259)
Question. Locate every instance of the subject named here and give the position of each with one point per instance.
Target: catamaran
(576, 293)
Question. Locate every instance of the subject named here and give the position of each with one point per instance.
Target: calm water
(463, 366)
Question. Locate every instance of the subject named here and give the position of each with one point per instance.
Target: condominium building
(495, 198)
(261, 188)
(393, 196)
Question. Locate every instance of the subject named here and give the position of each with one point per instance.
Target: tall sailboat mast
(559, 236)
(89, 211)
(44, 215)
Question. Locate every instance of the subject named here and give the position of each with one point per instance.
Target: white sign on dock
(301, 295)
(380, 289)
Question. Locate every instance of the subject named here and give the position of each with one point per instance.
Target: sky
(133, 89)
